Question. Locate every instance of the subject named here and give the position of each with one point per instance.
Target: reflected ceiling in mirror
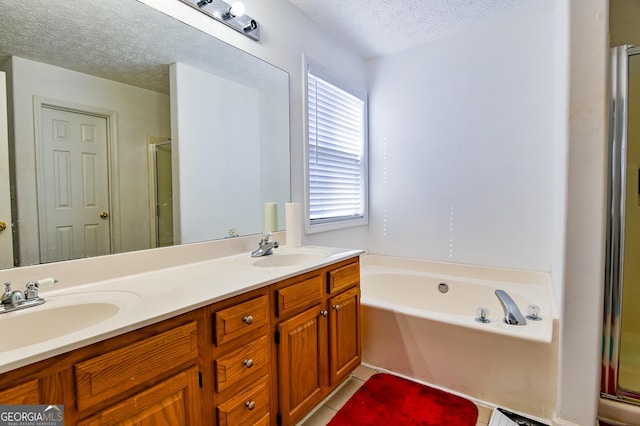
(127, 42)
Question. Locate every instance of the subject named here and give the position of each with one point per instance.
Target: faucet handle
(482, 315)
(533, 313)
(32, 291)
(6, 296)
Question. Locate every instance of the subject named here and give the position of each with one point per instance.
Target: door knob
(3, 226)
(104, 215)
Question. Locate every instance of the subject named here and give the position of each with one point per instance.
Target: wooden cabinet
(26, 393)
(248, 407)
(317, 335)
(264, 357)
(147, 376)
(105, 377)
(240, 356)
(302, 360)
(344, 332)
(171, 402)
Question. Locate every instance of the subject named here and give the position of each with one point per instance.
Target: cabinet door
(345, 348)
(302, 363)
(174, 401)
(26, 393)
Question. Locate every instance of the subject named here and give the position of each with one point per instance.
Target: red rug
(390, 400)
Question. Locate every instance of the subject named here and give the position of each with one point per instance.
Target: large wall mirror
(127, 129)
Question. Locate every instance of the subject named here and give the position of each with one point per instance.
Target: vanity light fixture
(231, 15)
(235, 10)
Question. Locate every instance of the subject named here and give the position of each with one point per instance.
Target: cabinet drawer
(115, 372)
(249, 360)
(298, 296)
(344, 277)
(247, 408)
(239, 319)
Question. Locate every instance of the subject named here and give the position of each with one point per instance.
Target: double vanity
(227, 341)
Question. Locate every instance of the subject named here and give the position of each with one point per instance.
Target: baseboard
(561, 422)
(502, 416)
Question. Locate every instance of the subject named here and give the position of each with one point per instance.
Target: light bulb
(236, 9)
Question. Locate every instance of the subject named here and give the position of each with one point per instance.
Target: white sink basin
(60, 316)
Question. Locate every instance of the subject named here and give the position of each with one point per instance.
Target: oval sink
(288, 259)
(57, 317)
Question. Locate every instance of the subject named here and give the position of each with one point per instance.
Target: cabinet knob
(3, 226)
(248, 319)
(324, 313)
(250, 405)
(248, 363)
(336, 307)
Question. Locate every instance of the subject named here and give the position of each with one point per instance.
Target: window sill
(334, 225)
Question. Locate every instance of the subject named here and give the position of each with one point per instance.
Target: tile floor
(332, 404)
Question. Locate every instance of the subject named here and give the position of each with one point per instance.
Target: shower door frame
(614, 267)
(153, 142)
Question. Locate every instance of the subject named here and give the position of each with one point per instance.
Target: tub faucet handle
(533, 313)
(482, 315)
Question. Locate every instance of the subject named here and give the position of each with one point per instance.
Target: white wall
(275, 171)
(214, 145)
(461, 147)
(584, 23)
(140, 113)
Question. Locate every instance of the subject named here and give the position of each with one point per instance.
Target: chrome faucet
(512, 314)
(265, 246)
(13, 300)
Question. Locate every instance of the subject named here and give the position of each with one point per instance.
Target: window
(336, 155)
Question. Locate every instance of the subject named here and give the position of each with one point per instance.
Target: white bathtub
(410, 327)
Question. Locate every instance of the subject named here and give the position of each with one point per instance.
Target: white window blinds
(336, 153)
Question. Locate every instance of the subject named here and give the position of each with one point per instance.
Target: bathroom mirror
(228, 154)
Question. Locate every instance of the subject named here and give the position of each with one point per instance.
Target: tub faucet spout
(512, 314)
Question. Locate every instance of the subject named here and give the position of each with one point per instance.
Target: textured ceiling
(380, 27)
(121, 40)
(127, 41)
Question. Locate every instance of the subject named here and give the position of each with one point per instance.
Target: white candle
(270, 217)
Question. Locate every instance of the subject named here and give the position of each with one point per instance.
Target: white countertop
(143, 299)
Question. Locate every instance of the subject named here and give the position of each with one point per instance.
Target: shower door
(160, 192)
(621, 340)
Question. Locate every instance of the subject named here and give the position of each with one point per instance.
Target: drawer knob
(324, 313)
(248, 363)
(250, 405)
(248, 319)
(336, 307)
